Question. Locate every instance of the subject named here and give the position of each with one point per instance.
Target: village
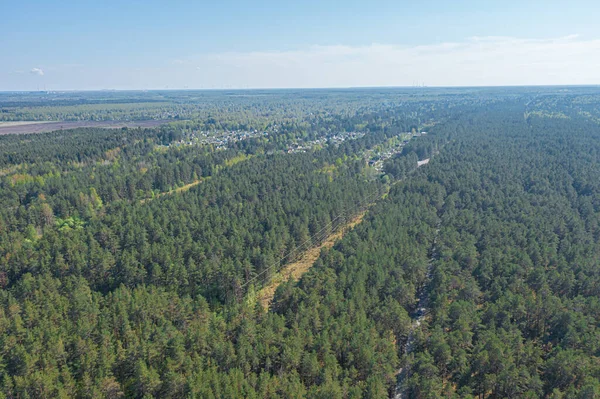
(375, 157)
(381, 153)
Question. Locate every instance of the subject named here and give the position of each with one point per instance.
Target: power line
(322, 233)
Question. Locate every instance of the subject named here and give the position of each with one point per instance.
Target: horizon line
(303, 88)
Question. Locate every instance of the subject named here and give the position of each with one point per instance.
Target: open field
(21, 123)
(27, 127)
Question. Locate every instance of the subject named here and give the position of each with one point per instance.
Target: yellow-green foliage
(238, 159)
(328, 169)
(545, 114)
(20, 178)
(590, 116)
(95, 199)
(10, 169)
(112, 154)
(70, 223)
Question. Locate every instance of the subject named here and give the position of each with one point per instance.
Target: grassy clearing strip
(298, 268)
(186, 187)
(228, 163)
(175, 190)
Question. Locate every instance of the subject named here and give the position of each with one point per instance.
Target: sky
(107, 44)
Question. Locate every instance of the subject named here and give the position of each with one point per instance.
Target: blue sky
(268, 43)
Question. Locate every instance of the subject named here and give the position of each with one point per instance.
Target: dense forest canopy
(130, 259)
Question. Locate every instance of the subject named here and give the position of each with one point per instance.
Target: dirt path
(418, 318)
(422, 311)
(298, 268)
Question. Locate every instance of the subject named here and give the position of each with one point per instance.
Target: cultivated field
(27, 127)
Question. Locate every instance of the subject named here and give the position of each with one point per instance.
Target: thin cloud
(475, 61)
(37, 71)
